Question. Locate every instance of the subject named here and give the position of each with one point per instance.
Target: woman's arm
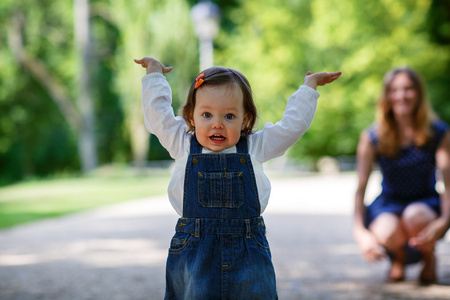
(365, 239)
(365, 155)
(443, 164)
(437, 228)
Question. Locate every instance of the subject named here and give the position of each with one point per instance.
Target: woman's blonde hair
(388, 135)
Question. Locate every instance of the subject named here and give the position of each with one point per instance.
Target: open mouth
(217, 137)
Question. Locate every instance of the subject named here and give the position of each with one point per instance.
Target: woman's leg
(415, 218)
(389, 232)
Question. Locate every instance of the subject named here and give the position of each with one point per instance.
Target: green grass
(40, 199)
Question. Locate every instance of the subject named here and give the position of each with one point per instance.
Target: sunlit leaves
(275, 44)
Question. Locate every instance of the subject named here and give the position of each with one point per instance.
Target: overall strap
(241, 146)
(196, 148)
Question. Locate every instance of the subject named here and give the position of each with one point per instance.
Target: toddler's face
(218, 116)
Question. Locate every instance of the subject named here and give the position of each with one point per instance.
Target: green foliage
(438, 25)
(272, 42)
(160, 29)
(438, 21)
(34, 138)
(266, 43)
(111, 138)
(274, 45)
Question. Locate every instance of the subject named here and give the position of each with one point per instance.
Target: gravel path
(118, 252)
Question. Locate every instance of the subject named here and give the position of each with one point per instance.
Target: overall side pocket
(180, 242)
(261, 241)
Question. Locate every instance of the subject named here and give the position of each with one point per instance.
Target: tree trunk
(80, 119)
(87, 140)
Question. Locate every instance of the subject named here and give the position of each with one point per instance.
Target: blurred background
(49, 112)
(72, 135)
(70, 91)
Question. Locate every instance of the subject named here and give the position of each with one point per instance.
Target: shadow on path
(119, 252)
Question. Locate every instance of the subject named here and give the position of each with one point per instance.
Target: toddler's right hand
(152, 65)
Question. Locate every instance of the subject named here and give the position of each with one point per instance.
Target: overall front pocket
(221, 189)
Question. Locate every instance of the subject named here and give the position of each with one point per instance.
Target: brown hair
(223, 76)
(388, 135)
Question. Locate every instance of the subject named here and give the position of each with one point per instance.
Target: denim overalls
(220, 250)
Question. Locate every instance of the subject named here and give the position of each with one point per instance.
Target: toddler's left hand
(153, 65)
(322, 78)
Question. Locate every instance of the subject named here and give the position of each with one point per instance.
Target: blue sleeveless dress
(411, 177)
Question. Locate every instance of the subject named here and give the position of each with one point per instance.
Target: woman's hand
(368, 245)
(322, 78)
(152, 65)
(435, 230)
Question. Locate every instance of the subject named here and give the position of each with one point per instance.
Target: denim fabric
(220, 250)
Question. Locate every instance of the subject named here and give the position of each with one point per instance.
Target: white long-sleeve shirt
(270, 142)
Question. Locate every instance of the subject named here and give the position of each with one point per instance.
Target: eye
(229, 117)
(207, 115)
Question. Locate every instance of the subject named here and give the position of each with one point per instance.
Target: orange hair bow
(199, 80)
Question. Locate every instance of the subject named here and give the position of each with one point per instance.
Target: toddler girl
(218, 187)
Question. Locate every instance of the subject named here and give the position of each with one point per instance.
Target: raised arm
(159, 117)
(322, 78)
(152, 65)
(274, 139)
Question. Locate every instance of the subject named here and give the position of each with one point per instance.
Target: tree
(160, 29)
(274, 45)
(437, 26)
(81, 119)
(87, 143)
(35, 138)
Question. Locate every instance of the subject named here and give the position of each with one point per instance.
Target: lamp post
(205, 16)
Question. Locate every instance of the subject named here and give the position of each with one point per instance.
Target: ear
(191, 121)
(245, 121)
